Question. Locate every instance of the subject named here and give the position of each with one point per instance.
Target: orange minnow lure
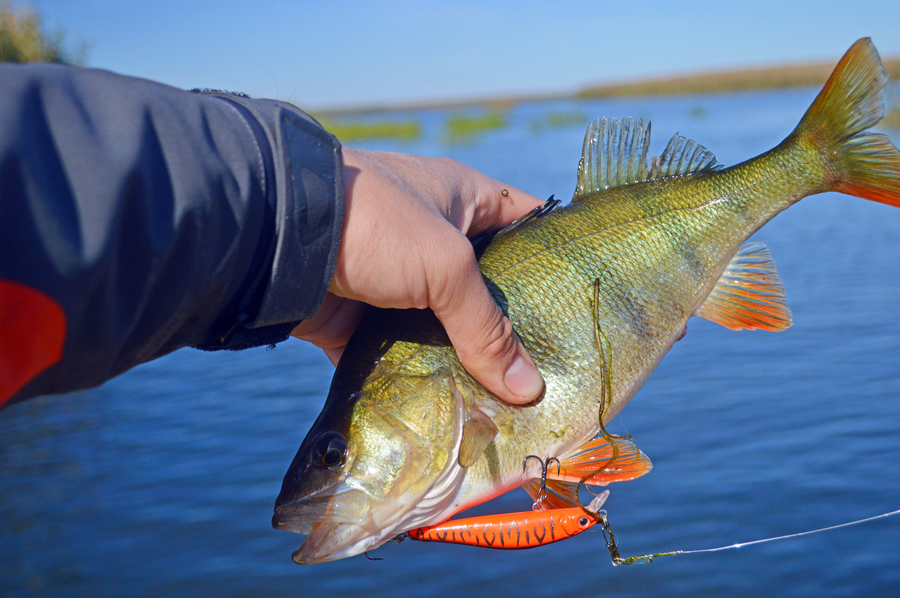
(513, 531)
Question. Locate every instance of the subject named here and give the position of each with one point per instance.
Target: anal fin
(560, 495)
(749, 294)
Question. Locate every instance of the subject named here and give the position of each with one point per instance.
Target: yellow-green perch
(598, 291)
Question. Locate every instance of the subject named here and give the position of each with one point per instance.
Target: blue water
(162, 481)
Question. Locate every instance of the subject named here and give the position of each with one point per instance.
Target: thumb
(485, 341)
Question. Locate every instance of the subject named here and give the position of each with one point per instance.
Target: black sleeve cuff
(308, 198)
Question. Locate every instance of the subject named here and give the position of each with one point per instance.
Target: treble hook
(542, 493)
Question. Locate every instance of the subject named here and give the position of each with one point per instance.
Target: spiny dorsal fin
(480, 242)
(749, 294)
(615, 153)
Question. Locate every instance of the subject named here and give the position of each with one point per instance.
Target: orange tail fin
(856, 162)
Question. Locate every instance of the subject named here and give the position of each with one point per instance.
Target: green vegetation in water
(557, 120)
(23, 38)
(462, 127)
(892, 117)
(354, 131)
(697, 112)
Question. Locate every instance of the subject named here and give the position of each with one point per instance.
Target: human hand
(404, 245)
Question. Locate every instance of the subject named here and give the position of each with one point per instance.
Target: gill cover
(404, 432)
(398, 466)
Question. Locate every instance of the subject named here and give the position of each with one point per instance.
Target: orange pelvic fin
(598, 462)
(619, 461)
(749, 295)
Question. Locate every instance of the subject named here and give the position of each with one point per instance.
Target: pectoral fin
(478, 431)
(749, 295)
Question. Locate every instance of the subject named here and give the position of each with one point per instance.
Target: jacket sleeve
(136, 219)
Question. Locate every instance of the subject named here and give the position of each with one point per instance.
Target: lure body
(527, 529)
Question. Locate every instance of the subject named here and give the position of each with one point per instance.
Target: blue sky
(332, 53)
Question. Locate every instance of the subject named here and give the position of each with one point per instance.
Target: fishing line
(604, 349)
(612, 544)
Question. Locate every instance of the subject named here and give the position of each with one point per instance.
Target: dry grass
(812, 75)
(740, 80)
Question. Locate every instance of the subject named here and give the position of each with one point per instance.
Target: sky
(335, 53)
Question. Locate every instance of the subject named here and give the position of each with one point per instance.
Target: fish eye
(329, 450)
(582, 521)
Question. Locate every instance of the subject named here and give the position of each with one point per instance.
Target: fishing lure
(527, 529)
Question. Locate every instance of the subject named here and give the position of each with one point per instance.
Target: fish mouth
(349, 523)
(336, 526)
(328, 540)
(333, 541)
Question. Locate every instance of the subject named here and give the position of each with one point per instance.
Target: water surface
(162, 481)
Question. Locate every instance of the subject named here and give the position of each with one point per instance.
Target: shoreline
(750, 79)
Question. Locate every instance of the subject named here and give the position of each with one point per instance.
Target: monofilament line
(648, 558)
(815, 531)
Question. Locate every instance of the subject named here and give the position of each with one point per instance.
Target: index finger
(500, 205)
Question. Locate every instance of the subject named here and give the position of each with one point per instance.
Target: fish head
(374, 464)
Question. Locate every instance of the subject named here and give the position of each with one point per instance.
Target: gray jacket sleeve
(154, 219)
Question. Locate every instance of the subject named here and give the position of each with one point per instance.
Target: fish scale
(598, 291)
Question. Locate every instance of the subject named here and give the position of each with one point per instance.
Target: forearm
(157, 219)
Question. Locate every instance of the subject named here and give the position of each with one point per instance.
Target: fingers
(498, 204)
(334, 355)
(515, 204)
(484, 339)
(420, 257)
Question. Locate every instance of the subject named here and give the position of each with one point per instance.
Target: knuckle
(461, 257)
(448, 163)
(499, 340)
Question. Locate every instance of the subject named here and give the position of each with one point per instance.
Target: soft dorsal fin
(749, 294)
(683, 156)
(619, 461)
(615, 153)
